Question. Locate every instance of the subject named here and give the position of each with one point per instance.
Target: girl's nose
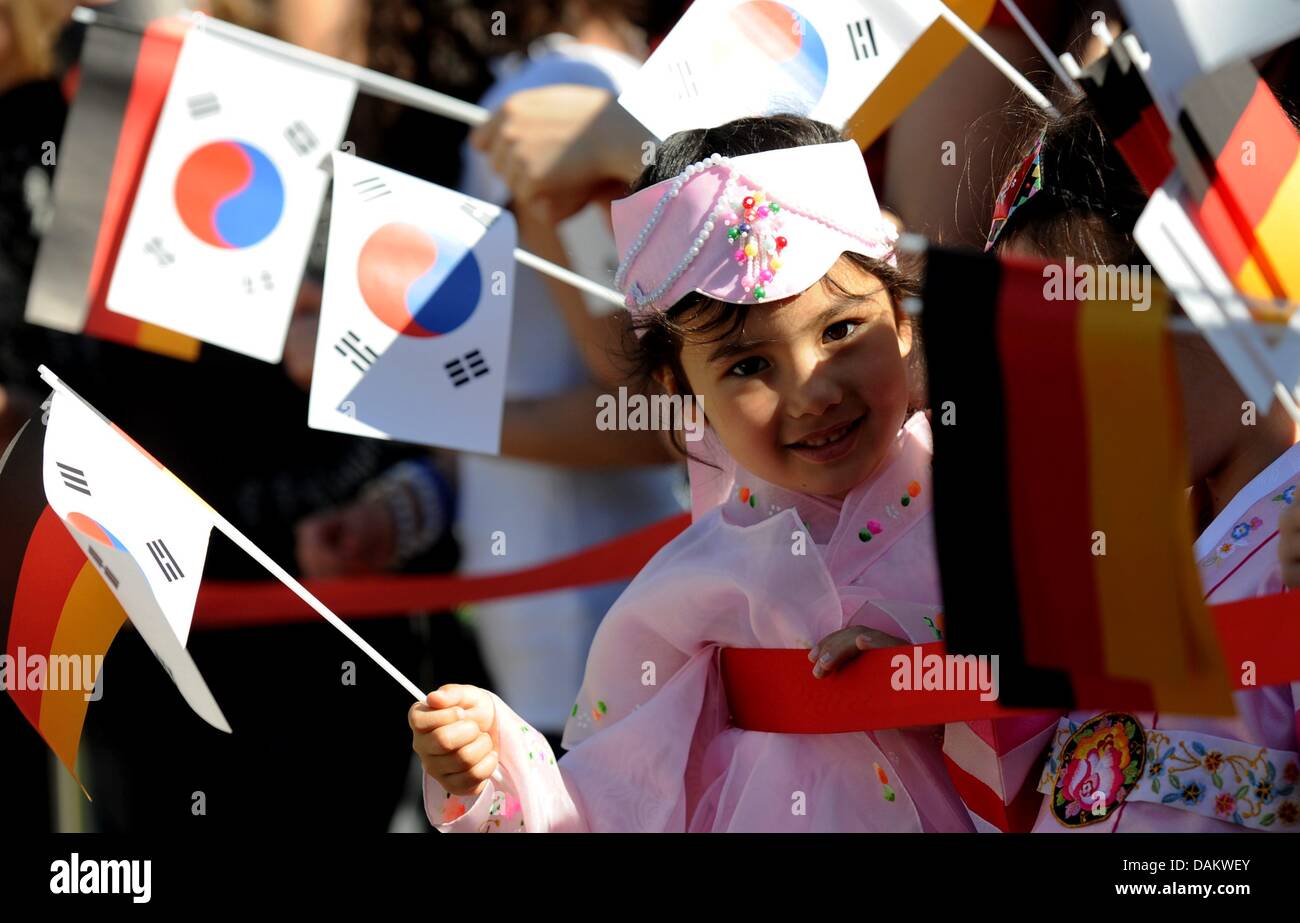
(813, 390)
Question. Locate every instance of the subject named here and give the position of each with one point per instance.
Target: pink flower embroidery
(452, 808)
(1224, 805)
(1098, 771)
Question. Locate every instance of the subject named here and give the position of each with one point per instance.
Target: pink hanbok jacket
(649, 743)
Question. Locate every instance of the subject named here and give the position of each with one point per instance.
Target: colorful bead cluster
(635, 296)
(760, 219)
(745, 495)
(753, 226)
(873, 525)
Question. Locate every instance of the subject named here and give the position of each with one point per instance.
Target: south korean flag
(145, 532)
(415, 317)
(220, 231)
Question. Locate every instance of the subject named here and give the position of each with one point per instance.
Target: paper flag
(1075, 408)
(1239, 153)
(1122, 102)
(145, 532)
(928, 57)
(730, 58)
(1186, 38)
(415, 317)
(57, 614)
(220, 230)
(1255, 354)
(123, 82)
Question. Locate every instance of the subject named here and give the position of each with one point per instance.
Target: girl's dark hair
(1090, 199)
(698, 316)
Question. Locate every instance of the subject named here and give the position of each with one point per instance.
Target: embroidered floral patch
(1239, 534)
(1245, 790)
(1100, 764)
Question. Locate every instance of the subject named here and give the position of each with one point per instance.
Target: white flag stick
(1028, 28)
(225, 527)
(375, 83)
(261, 557)
(1001, 63)
(572, 278)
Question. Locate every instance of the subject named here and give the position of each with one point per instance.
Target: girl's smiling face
(811, 392)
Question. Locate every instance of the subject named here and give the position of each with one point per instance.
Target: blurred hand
(1288, 545)
(300, 345)
(355, 539)
(559, 147)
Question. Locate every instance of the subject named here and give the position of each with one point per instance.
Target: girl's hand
(454, 733)
(1288, 545)
(841, 646)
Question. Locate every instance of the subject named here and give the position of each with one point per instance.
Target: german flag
(1125, 109)
(122, 84)
(928, 57)
(1063, 538)
(1240, 155)
(57, 615)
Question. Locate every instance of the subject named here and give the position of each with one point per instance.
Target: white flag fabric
(231, 192)
(415, 317)
(1258, 355)
(143, 529)
(1187, 38)
(731, 58)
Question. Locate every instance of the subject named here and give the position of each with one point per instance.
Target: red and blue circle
(779, 54)
(83, 523)
(418, 284)
(229, 194)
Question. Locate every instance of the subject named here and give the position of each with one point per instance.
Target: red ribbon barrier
(238, 604)
(775, 691)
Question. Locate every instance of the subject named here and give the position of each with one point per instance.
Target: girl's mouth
(829, 444)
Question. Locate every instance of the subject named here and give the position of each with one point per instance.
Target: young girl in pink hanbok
(763, 287)
(1074, 197)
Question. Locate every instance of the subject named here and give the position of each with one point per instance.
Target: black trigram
(479, 214)
(860, 33)
(203, 105)
(350, 347)
(108, 572)
(74, 478)
(300, 138)
(156, 249)
(163, 558)
(682, 70)
(471, 364)
(372, 188)
(264, 278)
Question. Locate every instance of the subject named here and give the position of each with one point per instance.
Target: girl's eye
(841, 329)
(750, 366)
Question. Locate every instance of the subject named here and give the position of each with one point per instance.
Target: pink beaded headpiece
(747, 229)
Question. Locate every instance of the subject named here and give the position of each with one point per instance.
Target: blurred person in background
(515, 513)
